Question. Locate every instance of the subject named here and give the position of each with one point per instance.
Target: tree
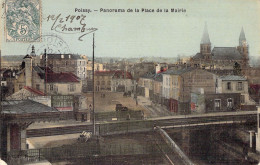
(236, 69)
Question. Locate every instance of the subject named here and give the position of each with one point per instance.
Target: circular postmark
(52, 43)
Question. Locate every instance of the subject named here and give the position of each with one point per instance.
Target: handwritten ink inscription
(70, 24)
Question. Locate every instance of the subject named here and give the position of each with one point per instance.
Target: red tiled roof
(61, 77)
(34, 91)
(160, 71)
(123, 74)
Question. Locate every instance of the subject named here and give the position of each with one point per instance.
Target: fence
(119, 115)
(92, 148)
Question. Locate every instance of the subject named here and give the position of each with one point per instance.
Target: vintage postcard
(130, 82)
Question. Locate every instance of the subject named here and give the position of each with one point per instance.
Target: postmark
(23, 20)
(53, 44)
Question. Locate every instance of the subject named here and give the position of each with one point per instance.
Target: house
(222, 102)
(157, 88)
(235, 84)
(122, 82)
(30, 76)
(63, 84)
(146, 85)
(214, 102)
(179, 84)
(45, 80)
(71, 63)
(115, 80)
(103, 80)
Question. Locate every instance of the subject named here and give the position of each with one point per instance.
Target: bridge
(117, 127)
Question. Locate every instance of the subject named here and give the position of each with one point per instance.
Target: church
(222, 58)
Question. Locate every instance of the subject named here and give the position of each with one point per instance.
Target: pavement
(153, 110)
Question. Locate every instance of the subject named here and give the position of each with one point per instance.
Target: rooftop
(233, 78)
(226, 53)
(158, 77)
(64, 56)
(122, 74)
(177, 71)
(35, 91)
(61, 77)
(222, 53)
(27, 111)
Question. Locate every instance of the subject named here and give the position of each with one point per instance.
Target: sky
(138, 34)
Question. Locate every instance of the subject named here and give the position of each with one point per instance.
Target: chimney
(28, 70)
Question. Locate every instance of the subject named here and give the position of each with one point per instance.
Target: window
(72, 87)
(242, 99)
(109, 83)
(228, 85)
(38, 86)
(217, 104)
(103, 83)
(51, 87)
(98, 83)
(229, 102)
(239, 86)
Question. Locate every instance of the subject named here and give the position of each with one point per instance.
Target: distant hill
(136, 60)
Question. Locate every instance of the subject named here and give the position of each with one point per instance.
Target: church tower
(243, 48)
(205, 45)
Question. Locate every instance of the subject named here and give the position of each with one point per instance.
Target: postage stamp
(23, 20)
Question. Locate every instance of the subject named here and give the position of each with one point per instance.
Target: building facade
(72, 63)
(45, 80)
(235, 84)
(122, 82)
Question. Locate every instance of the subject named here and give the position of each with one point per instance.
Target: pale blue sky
(153, 34)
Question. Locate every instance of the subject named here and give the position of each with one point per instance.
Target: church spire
(242, 37)
(205, 37)
(33, 51)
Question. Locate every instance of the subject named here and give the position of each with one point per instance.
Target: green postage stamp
(23, 20)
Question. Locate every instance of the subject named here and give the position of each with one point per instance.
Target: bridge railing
(124, 127)
(172, 145)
